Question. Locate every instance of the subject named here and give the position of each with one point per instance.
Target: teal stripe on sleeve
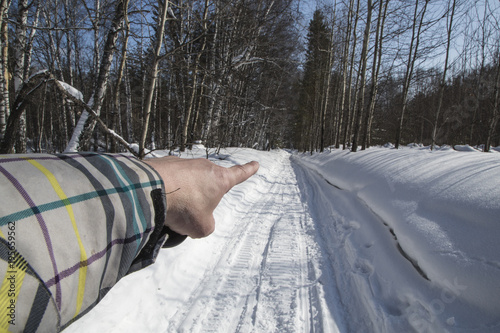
(132, 195)
(22, 214)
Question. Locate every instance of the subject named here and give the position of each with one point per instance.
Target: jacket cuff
(173, 238)
(161, 236)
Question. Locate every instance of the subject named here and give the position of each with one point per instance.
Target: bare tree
(348, 118)
(83, 131)
(328, 80)
(410, 65)
(19, 106)
(345, 63)
(4, 68)
(496, 109)
(19, 64)
(153, 74)
(377, 62)
(449, 28)
(121, 70)
(195, 72)
(363, 62)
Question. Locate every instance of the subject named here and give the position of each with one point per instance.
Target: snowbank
(465, 148)
(443, 207)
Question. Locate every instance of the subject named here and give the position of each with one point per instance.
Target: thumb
(239, 173)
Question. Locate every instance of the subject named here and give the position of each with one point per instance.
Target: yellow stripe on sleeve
(10, 289)
(83, 256)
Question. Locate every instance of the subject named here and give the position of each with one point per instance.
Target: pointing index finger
(239, 173)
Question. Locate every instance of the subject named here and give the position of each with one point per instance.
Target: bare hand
(194, 188)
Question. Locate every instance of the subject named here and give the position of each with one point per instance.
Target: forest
(140, 75)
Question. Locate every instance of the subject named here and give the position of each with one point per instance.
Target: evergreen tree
(316, 68)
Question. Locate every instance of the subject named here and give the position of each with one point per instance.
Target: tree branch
(93, 114)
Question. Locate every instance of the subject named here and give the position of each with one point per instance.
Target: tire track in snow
(266, 277)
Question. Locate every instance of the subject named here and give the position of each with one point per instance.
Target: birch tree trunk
(449, 28)
(221, 72)
(85, 127)
(216, 83)
(18, 108)
(160, 30)
(195, 71)
(483, 42)
(71, 51)
(412, 56)
(57, 66)
(345, 64)
(364, 59)
(377, 60)
(4, 68)
(19, 64)
(327, 83)
(96, 24)
(347, 129)
(116, 99)
(496, 110)
(29, 43)
(128, 107)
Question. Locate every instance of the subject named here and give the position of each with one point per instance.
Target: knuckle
(204, 230)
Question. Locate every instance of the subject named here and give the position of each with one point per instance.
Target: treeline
(402, 72)
(159, 73)
(103, 74)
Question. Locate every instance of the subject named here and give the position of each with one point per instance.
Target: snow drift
(443, 208)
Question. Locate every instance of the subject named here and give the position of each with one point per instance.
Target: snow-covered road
(263, 280)
(260, 271)
(299, 250)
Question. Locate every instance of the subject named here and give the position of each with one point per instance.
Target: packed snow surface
(381, 240)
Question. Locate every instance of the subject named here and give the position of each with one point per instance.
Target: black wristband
(173, 239)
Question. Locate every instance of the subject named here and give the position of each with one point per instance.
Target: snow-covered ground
(380, 240)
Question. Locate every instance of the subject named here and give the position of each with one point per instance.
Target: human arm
(81, 222)
(72, 226)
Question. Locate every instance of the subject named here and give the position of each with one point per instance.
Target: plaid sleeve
(70, 227)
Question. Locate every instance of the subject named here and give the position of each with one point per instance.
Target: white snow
(71, 90)
(381, 240)
(465, 148)
(42, 71)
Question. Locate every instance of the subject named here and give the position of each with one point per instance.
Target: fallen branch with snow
(74, 95)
